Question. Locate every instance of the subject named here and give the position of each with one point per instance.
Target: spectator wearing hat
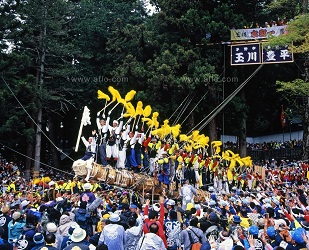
(151, 240)
(299, 236)
(15, 226)
(65, 223)
(87, 195)
(38, 240)
(51, 192)
(24, 205)
(170, 205)
(125, 214)
(26, 241)
(67, 239)
(5, 218)
(133, 234)
(187, 193)
(153, 217)
(172, 230)
(275, 203)
(4, 243)
(79, 240)
(271, 233)
(257, 242)
(136, 213)
(125, 197)
(51, 228)
(236, 220)
(113, 234)
(213, 224)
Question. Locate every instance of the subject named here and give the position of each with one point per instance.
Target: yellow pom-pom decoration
(101, 95)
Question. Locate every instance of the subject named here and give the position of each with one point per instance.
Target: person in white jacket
(187, 193)
(151, 240)
(122, 146)
(112, 149)
(133, 234)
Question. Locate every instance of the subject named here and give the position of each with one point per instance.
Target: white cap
(51, 183)
(24, 203)
(156, 207)
(51, 227)
(115, 121)
(171, 202)
(87, 186)
(59, 199)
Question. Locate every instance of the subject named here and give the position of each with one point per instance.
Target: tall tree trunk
(306, 130)
(38, 140)
(53, 131)
(29, 161)
(40, 81)
(305, 6)
(212, 130)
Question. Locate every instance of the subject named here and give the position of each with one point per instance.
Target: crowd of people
(266, 145)
(249, 213)
(248, 208)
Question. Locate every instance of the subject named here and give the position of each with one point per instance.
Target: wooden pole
(78, 136)
(114, 107)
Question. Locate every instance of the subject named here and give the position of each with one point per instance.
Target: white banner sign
(257, 33)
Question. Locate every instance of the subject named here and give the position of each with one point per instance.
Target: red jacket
(160, 221)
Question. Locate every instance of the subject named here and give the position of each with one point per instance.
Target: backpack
(194, 245)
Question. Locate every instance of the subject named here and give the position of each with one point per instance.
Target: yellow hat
(189, 206)
(106, 216)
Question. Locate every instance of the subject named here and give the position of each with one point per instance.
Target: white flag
(86, 117)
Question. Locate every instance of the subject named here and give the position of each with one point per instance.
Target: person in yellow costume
(67, 186)
(95, 186)
(11, 187)
(246, 222)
